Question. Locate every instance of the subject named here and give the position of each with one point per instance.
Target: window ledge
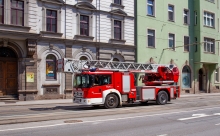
(50, 85)
(209, 26)
(27, 91)
(171, 49)
(186, 24)
(151, 47)
(117, 5)
(211, 1)
(83, 38)
(117, 41)
(47, 33)
(151, 16)
(9, 26)
(171, 21)
(209, 53)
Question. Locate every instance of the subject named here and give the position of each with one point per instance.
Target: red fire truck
(113, 83)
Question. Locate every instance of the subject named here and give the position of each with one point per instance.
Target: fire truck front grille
(78, 94)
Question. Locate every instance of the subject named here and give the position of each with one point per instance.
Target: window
(115, 59)
(17, 12)
(83, 58)
(209, 45)
(186, 77)
(196, 46)
(102, 80)
(50, 67)
(172, 41)
(51, 20)
(151, 38)
(186, 43)
(84, 25)
(208, 19)
(217, 75)
(195, 17)
(150, 7)
(1, 11)
(186, 16)
(117, 29)
(170, 12)
(213, 1)
(117, 2)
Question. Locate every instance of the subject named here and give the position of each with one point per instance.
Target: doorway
(8, 72)
(202, 80)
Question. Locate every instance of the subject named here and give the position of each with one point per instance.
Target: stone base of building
(68, 94)
(29, 95)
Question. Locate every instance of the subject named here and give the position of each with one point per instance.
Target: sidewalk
(199, 95)
(36, 102)
(63, 101)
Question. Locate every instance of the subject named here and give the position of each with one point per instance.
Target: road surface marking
(195, 116)
(217, 124)
(163, 135)
(34, 127)
(96, 121)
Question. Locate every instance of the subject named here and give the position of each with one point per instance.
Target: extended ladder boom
(75, 66)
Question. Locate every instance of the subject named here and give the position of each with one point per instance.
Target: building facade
(184, 33)
(36, 33)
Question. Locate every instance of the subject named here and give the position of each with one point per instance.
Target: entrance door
(8, 72)
(8, 78)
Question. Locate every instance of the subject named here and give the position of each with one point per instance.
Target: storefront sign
(30, 77)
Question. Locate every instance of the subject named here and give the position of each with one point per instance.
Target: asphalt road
(30, 113)
(202, 121)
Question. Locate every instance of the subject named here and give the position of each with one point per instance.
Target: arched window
(83, 58)
(51, 67)
(115, 59)
(186, 77)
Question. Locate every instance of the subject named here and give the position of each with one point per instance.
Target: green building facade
(184, 33)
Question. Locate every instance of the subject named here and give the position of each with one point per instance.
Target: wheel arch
(112, 91)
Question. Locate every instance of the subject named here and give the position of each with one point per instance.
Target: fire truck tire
(111, 101)
(162, 98)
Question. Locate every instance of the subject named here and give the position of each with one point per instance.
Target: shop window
(186, 77)
(50, 67)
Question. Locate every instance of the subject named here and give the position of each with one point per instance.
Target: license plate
(77, 100)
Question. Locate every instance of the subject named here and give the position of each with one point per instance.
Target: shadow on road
(81, 107)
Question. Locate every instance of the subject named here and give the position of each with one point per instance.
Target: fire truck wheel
(111, 101)
(162, 98)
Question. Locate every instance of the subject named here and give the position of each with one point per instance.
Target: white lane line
(106, 120)
(163, 135)
(34, 127)
(217, 124)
